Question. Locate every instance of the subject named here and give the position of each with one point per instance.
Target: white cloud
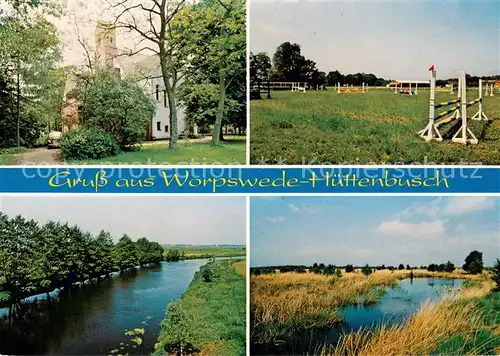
(430, 208)
(422, 230)
(294, 208)
(275, 219)
(464, 205)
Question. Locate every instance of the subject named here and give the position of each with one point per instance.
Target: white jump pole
(363, 87)
(416, 88)
(431, 132)
(396, 88)
(480, 115)
(451, 91)
(338, 87)
(464, 131)
(491, 86)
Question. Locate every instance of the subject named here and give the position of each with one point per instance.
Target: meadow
(210, 317)
(198, 252)
(283, 304)
(377, 127)
(231, 151)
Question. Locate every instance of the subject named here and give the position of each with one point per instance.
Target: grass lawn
(232, 151)
(372, 128)
(209, 319)
(197, 252)
(7, 155)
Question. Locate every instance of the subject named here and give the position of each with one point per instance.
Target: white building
(145, 69)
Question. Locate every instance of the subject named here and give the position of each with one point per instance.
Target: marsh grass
(462, 323)
(284, 303)
(375, 127)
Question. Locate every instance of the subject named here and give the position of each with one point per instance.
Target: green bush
(349, 268)
(366, 270)
(88, 144)
(119, 107)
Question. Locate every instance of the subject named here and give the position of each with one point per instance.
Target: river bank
(209, 318)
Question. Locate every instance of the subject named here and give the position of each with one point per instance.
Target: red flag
(431, 68)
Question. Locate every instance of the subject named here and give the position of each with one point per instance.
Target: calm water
(395, 307)
(93, 321)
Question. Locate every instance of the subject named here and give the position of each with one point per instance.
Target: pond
(396, 306)
(93, 320)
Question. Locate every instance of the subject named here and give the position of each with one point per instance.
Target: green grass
(232, 151)
(485, 341)
(7, 154)
(210, 316)
(371, 128)
(197, 252)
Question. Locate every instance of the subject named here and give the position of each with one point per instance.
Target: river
(395, 306)
(94, 320)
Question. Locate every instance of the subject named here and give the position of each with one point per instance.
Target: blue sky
(392, 39)
(373, 230)
(167, 220)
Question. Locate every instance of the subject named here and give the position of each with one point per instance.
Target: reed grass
(459, 317)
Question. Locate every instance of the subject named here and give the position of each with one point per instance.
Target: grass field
(209, 319)
(197, 252)
(284, 302)
(232, 151)
(371, 128)
(241, 267)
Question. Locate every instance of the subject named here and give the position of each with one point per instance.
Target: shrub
(119, 107)
(496, 272)
(88, 144)
(207, 275)
(349, 268)
(366, 270)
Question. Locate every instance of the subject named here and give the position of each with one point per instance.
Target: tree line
(289, 65)
(473, 264)
(39, 258)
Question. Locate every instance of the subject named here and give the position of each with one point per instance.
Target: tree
(29, 52)
(366, 270)
(474, 262)
(401, 266)
(125, 254)
(449, 267)
(288, 63)
(496, 272)
(160, 37)
(117, 106)
(260, 65)
(408, 266)
(349, 268)
(213, 31)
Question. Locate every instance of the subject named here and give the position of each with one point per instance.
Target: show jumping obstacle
(351, 89)
(297, 87)
(458, 110)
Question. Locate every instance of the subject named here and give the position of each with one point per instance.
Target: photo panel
(370, 82)
(123, 82)
(126, 275)
(374, 275)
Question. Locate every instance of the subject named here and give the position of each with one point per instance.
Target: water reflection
(93, 320)
(396, 306)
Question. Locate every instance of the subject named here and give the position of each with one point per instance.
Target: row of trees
(289, 65)
(473, 264)
(31, 86)
(38, 258)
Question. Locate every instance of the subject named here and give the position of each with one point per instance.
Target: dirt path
(38, 156)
